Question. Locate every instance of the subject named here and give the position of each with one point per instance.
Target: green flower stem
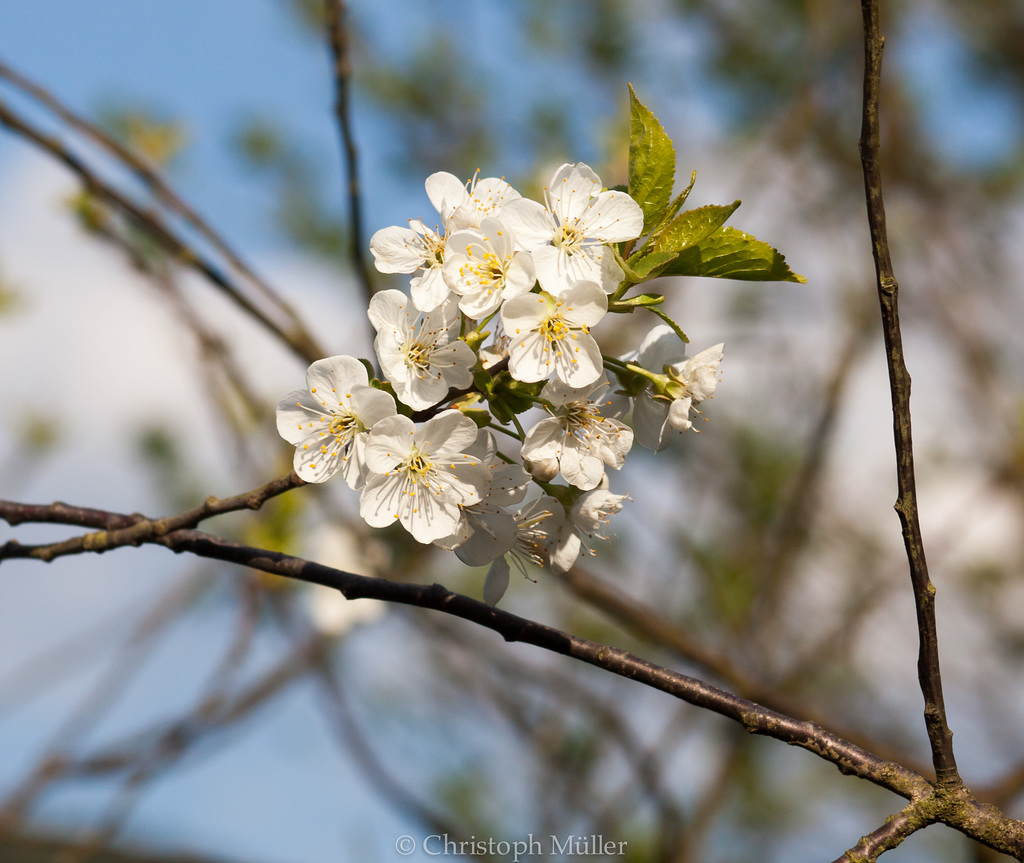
(654, 377)
(519, 426)
(614, 361)
(631, 277)
(675, 327)
(481, 324)
(504, 431)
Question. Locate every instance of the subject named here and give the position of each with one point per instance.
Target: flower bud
(543, 469)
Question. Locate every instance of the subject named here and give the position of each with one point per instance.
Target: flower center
(417, 467)
(554, 328)
(434, 256)
(570, 239)
(417, 354)
(579, 417)
(489, 271)
(531, 539)
(343, 426)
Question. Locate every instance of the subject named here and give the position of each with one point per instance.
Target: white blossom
(484, 269)
(689, 381)
(328, 422)
(588, 521)
(420, 352)
(549, 334)
(578, 435)
(341, 547)
(422, 476)
(410, 250)
(487, 529)
(538, 525)
(567, 235)
(466, 205)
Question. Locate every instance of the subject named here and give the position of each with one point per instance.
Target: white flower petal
(387, 308)
(544, 440)
(679, 414)
(580, 469)
(450, 431)
(338, 374)
(389, 442)
(397, 250)
(659, 348)
(533, 225)
(580, 363)
(493, 535)
(586, 304)
(496, 582)
(428, 517)
(382, 499)
(650, 423)
(571, 189)
(446, 192)
(429, 290)
(613, 217)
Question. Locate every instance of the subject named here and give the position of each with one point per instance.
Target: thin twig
(645, 623)
(896, 828)
(929, 676)
(300, 342)
(156, 184)
(129, 530)
(336, 15)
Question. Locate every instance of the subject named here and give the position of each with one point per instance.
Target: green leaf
(731, 254)
(645, 265)
(689, 228)
(641, 301)
(652, 162)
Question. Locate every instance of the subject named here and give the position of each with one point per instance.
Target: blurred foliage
(444, 113)
(154, 135)
(178, 480)
(301, 210)
(10, 298)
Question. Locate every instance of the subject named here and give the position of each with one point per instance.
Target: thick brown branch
(954, 805)
(648, 624)
(170, 532)
(754, 718)
(939, 734)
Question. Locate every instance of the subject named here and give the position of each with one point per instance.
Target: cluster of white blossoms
(496, 326)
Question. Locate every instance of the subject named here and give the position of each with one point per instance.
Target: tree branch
(954, 805)
(336, 15)
(896, 828)
(157, 185)
(300, 342)
(939, 735)
(172, 533)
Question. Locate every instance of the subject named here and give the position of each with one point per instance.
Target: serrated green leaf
(652, 162)
(645, 265)
(641, 301)
(731, 254)
(680, 199)
(689, 228)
